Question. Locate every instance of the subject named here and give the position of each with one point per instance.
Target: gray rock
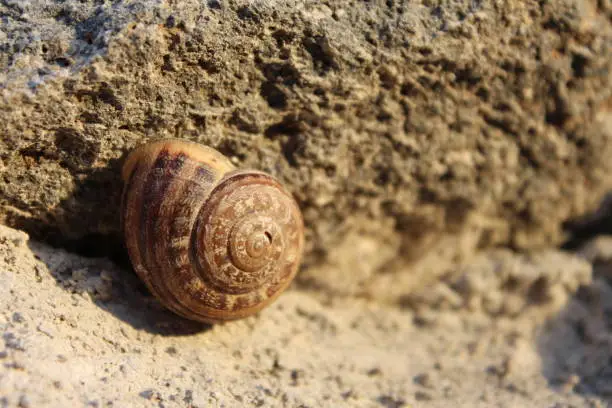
(397, 125)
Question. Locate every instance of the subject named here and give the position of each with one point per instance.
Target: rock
(128, 351)
(504, 283)
(472, 123)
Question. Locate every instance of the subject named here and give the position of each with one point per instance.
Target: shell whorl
(211, 242)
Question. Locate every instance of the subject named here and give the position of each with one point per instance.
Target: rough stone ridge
(408, 131)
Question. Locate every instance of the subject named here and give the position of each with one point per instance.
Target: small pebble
(24, 402)
(374, 372)
(147, 394)
(18, 317)
(424, 380)
(422, 396)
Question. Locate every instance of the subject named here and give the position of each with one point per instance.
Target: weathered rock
(502, 283)
(407, 130)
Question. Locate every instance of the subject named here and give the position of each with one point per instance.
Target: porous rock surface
(407, 130)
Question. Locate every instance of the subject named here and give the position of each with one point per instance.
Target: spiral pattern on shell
(212, 243)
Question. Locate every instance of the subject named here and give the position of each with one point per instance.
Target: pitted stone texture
(414, 131)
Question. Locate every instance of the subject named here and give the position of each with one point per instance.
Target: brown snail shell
(211, 242)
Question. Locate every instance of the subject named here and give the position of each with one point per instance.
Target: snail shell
(211, 242)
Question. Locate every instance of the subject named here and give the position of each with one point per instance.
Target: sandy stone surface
(513, 331)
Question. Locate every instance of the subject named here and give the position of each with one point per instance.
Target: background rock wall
(411, 133)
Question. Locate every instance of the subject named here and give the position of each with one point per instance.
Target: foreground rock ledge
(82, 332)
(404, 129)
